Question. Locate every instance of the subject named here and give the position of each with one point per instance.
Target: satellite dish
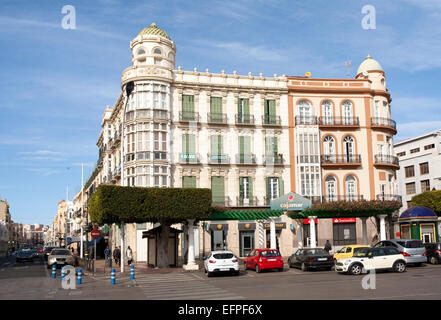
(307, 74)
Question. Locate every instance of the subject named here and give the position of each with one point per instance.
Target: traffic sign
(95, 233)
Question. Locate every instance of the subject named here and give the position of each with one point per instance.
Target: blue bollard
(79, 277)
(62, 274)
(112, 277)
(132, 272)
(54, 271)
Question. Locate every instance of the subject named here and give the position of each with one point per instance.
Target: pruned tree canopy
(111, 204)
(429, 199)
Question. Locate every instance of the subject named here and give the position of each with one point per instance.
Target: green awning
(257, 214)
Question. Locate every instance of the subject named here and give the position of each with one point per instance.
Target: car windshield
(48, 249)
(360, 252)
(315, 251)
(270, 253)
(60, 252)
(223, 256)
(414, 244)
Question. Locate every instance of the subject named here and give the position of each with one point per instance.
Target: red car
(260, 259)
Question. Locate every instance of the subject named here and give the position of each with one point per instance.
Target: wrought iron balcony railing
(271, 120)
(273, 159)
(245, 158)
(312, 120)
(386, 159)
(188, 158)
(384, 122)
(340, 159)
(246, 119)
(215, 158)
(217, 118)
(339, 121)
(389, 197)
(246, 202)
(220, 201)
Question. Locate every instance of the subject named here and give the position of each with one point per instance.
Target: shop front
(419, 223)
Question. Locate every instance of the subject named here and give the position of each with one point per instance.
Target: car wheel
(433, 260)
(399, 266)
(280, 269)
(209, 274)
(303, 267)
(356, 269)
(257, 268)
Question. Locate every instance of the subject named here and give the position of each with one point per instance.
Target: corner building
(250, 139)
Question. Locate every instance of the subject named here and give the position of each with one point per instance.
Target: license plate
(322, 259)
(271, 259)
(224, 269)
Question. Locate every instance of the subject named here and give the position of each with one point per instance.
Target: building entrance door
(427, 234)
(246, 243)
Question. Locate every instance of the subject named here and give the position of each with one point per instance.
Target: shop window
(344, 234)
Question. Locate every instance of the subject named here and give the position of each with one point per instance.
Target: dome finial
(368, 56)
(153, 25)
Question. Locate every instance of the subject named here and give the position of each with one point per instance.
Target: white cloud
(44, 171)
(40, 152)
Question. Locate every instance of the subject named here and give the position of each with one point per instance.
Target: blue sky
(56, 83)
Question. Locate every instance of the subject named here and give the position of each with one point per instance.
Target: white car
(221, 262)
(373, 259)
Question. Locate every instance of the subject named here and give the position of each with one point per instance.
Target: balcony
(339, 122)
(245, 158)
(273, 159)
(217, 118)
(384, 124)
(383, 160)
(185, 116)
(245, 119)
(310, 120)
(220, 201)
(188, 158)
(215, 158)
(340, 160)
(389, 197)
(269, 120)
(247, 202)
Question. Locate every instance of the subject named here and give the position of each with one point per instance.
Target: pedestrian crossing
(181, 286)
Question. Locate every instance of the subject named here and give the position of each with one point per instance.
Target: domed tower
(372, 70)
(146, 87)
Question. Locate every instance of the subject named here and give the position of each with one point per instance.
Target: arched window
(157, 51)
(331, 188)
(141, 51)
(349, 149)
(348, 116)
(170, 55)
(327, 112)
(329, 149)
(351, 188)
(305, 112)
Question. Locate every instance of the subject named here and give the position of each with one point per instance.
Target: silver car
(413, 251)
(60, 257)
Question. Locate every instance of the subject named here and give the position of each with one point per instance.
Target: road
(33, 281)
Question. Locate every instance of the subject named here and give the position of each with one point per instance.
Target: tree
(429, 199)
(114, 204)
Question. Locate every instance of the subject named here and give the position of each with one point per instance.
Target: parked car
(311, 258)
(383, 258)
(260, 259)
(433, 252)
(24, 255)
(60, 257)
(47, 251)
(34, 253)
(221, 262)
(349, 251)
(412, 250)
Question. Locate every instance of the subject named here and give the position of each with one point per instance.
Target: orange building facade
(341, 146)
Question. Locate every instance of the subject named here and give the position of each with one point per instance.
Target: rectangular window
(187, 107)
(410, 188)
(270, 111)
(218, 190)
(415, 150)
(344, 234)
(188, 182)
(271, 148)
(216, 109)
(425, 185)
(401, 154)
(429, 146)
(245, 191)
(409, 171)
(424, 168)
(243, 111)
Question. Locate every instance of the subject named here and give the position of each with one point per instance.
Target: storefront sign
(307, 221)
(247, 226)
(344, 220)
(290, 202)
(279, 225)
(218, 226)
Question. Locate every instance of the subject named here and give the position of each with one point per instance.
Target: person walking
(107, 256)
(328, 246)
(117, 255)
(129, 255)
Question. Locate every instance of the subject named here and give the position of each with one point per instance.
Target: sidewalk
(140, 268)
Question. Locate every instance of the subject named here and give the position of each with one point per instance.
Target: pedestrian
(129, 255)
(328, 246)
(116, 255)
(107, 254)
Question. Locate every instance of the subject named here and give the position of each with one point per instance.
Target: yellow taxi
(350, 251)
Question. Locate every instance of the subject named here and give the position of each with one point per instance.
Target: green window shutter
(241, 194)
(240, 108)
(187, 107)
(214, 144)
(281, 187)
(247, 145)
(185, 143)
(220, 145)
(272, 109)
(191, 144)
(275, 146)
(241, 145)
(269, 148)
(246, 110)
(218, 189)
(216, 108)
(188, 182)
(250, 189)
(268, 189)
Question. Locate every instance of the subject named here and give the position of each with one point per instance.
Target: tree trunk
(162, 246)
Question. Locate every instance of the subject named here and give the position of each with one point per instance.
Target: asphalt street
(33, 281)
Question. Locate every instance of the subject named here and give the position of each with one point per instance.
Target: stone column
(273, 233)
(191, 263)
(299, 233)
(382, 226)
(364, 228)
(312, 231)
(261, 234)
